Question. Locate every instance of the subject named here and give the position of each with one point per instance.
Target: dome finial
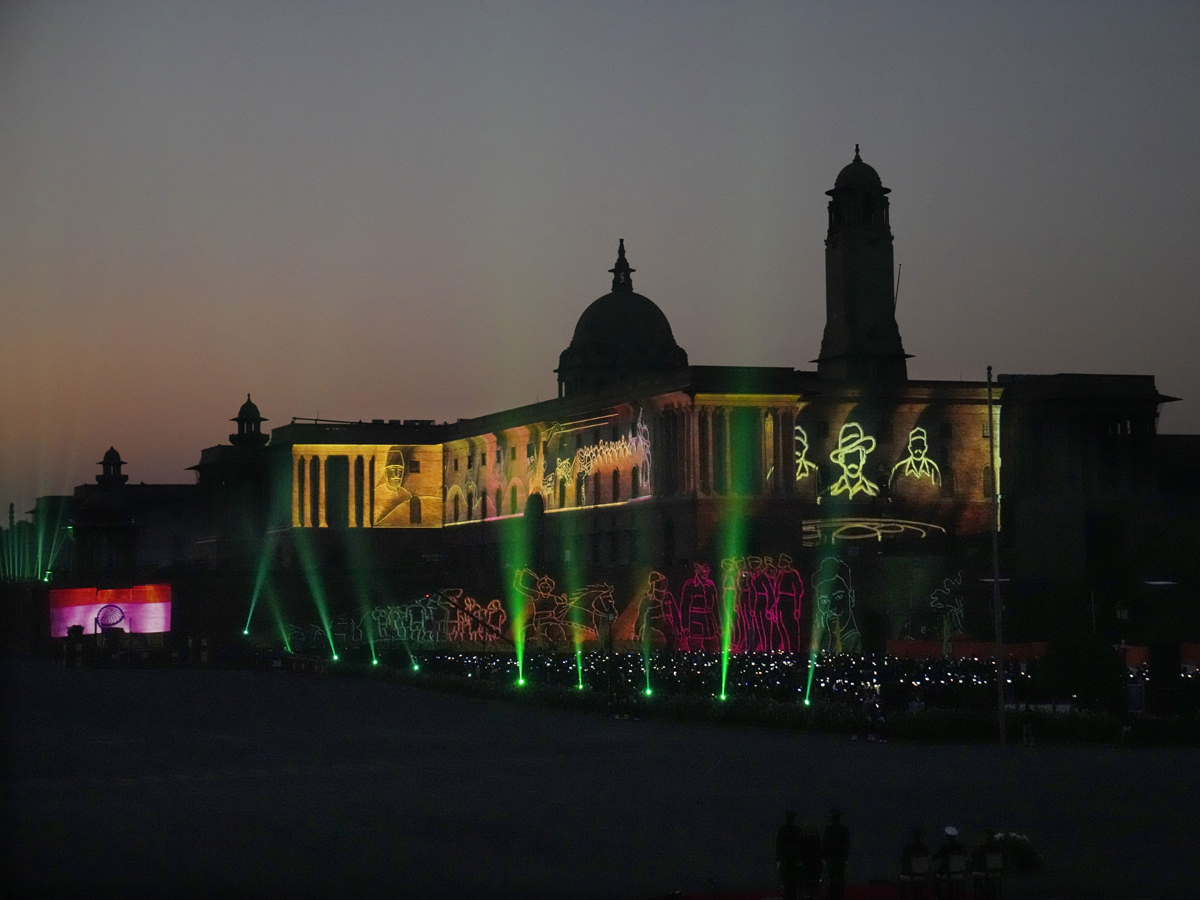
(621, 271)
(857, 158)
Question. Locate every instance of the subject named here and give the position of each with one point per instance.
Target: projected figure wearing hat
(851, 455)
(917, 464)
(804, 467)
(394, 510)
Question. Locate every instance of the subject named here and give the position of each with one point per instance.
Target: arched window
(595, 488)
(635, 486)
(456, 507)
(616, 492)
(482, 505)
(499, 500)
(414, 510)
(512, 499)
(562, 492)
(580, 482)
(470, 504)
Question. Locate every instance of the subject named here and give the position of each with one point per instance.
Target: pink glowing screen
(141, 609)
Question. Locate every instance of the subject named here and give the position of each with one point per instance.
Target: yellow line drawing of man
(917, 464)
(393, 510)
(804, 468)
(851, 454)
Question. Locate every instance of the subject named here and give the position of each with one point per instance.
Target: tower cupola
(249, 422)
(861, 340)
(110, 470)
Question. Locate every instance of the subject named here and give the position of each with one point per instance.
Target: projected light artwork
(367, 485)
(917, 464)
(853, 448)
(141, 609)
(830, 531)
(835, 630)
(804, 468)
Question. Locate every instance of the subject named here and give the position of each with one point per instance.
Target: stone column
(321, 523)
(297, 461)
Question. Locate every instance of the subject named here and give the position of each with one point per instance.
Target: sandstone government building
(859, 494)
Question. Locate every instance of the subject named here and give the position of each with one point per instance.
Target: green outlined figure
(917, 464)
(851, 455)
(804, 467)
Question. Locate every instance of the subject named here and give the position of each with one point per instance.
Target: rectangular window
(456, 464)
(498, 455)
(512, 452)
(947, 431)
(414, 465)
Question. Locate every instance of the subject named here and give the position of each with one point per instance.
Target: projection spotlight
(648, 692)
(520, 682)
(335, 657)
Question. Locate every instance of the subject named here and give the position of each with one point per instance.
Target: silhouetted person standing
(810, 861)
(914, 878)
(788, 846)
(836, 849)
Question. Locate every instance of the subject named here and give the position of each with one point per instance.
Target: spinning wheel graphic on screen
(108, 617)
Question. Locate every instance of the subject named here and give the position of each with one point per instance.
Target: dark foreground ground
(179, 782)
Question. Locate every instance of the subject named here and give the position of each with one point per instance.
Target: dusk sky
(399, 210)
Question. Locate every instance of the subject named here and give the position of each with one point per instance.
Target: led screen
(141, 609)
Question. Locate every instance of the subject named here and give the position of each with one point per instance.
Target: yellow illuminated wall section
(371, 485)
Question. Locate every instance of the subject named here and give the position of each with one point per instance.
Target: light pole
(996, 560)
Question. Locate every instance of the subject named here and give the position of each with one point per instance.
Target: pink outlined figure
(698, 601)
(776, 633)
(731, 604)
(496, 617)
(789, 590)
(655, 617)
(549, 619)
(759, 589)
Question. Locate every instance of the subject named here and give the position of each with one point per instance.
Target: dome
(622, 318)
(858, 175)
(619, 336)
(112, 458)
(248, 412)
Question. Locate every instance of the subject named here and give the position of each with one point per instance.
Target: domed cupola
(249, 433)
(862, 340)
(622, 335)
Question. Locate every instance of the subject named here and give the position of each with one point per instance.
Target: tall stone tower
(862, 340)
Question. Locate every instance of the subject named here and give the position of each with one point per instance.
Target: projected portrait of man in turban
(392, 498)
(851, 455)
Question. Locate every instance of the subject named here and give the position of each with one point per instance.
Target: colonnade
(310, 484)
